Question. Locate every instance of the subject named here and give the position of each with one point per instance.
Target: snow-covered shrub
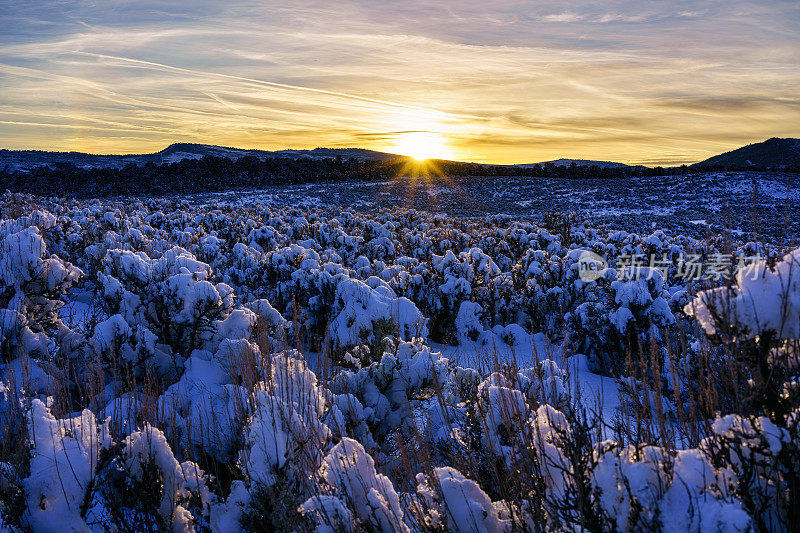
(758, 321)
(389, 389)
(285, 436)
(208, 405)
(63, 475)
(17, 339)
(145, 488)
(629, 314)
(456, 503)
(368, 311)
(468, 325)
(199, 304)
(760, 458)
(31, 287)
(544, 383)
(539, 279)
(163, 309)
(329, 513)
(347, 417)
(350, 472)
(764, 301)
(646, 488)
(640, 301)
(283, 445)
(336, 308)
(502, 411)
(449, 286)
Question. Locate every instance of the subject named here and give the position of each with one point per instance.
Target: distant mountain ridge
(27, 159)
(578, 162)
(774, 153)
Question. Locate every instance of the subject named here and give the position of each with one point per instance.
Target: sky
(664, 82)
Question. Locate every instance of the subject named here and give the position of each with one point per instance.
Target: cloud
(616, 17)
(566, 16)
(507, 81)
(729, 104)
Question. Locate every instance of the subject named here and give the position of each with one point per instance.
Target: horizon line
(650, 164)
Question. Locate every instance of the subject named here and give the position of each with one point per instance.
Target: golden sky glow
(421, 134)
(422, 145)
(504, 82)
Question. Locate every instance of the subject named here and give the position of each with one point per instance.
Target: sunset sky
(500, 81)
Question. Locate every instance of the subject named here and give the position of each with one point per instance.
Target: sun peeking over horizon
(424, 136)
(421, 133)
(422, 145)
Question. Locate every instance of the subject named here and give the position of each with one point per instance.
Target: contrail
(101, 91)
(162, 66)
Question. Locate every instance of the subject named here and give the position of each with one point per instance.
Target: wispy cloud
(566, 16)
(508, 81)
(619, 17)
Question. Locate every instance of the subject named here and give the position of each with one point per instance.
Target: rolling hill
(773, 153)
(27, 159)
(578, 162)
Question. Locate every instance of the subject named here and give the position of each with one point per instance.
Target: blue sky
(501, 81)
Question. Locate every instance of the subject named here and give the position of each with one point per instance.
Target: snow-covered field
(404, 356)
(736, 202)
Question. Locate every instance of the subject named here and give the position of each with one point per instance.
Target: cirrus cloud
(502, 82)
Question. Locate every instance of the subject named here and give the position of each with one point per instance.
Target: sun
(421, 145)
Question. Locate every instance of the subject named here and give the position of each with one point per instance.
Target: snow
(464, 506)
(578, 162)
(63, 462)
(364, 305)
(417, 340)
(149, 447)
(285, 426)
(696, 498)
(763, 300)
(351, 471)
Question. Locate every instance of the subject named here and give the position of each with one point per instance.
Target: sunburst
(422, 145)
(422, 136)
